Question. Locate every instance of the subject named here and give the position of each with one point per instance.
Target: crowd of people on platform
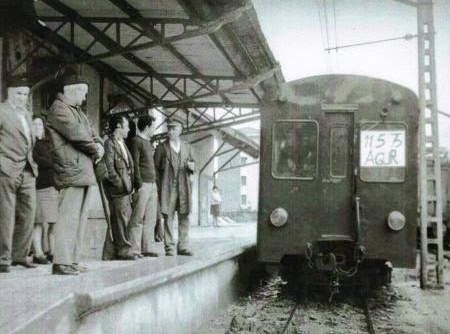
(50, 166)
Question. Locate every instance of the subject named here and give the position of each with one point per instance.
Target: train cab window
(383, 152)
(294, 153)
(339, 152)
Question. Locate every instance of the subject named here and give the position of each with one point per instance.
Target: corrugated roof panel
(158, 88)
(244, 96)
(158, 8)
(120, 64)
(82, 37)
(170, 97)
(172, 29)
(97, 48)
(162, 61)
(213, 98)
(193, 87)
(43, 10)
(201, 52)
(127, 34)
(53, 25)
(99, 8)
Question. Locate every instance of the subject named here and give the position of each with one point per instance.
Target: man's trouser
(120, 210)
(183, 225)
(74, 203)
(17, 210)
(143, 220)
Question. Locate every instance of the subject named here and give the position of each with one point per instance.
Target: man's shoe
(40, 260)
(140, 255)
(185, 252)
(62, 269)
(49, 256)
(170, 253)
(4, 268)
(151, 254)
(24, 264)
(81, 269)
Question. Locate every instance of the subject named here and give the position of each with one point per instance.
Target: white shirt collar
(124, 150)
(175, 146)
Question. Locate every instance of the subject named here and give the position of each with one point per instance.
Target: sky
(296, 31)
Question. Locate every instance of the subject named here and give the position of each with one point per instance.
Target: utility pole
(432, 248)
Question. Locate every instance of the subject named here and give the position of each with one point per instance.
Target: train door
(336, 172)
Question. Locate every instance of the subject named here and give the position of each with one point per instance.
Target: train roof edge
(338, 88)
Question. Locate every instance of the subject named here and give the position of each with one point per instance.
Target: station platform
(127, 296)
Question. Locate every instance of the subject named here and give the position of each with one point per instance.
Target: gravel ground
(402, 308)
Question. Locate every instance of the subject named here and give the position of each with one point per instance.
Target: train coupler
(334, 287)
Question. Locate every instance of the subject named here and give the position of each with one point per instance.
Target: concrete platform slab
(35, 299)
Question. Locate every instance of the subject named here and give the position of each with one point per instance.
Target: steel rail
(368, 317)
(291, 315)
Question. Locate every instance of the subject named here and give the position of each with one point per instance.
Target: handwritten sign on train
(383, 148)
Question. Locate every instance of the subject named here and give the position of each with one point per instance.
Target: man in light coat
(174, 166)
(18, 173)
(77, 148)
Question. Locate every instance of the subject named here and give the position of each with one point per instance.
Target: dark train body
(339, 158)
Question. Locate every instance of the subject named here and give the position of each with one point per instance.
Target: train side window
(383, 153)
(339, 152)
(294, 149)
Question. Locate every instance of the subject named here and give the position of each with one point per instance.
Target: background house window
(243, 160)
(244, 199)
(244, 180)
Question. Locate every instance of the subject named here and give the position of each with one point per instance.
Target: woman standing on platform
(216, 199)
(47, 196)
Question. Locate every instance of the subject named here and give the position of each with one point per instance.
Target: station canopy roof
(170, 53)
(206, 62)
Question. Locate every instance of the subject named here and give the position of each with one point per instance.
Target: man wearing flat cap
(18, 173)
(174, 166)
(77, 149)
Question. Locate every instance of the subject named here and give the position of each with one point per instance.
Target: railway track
(364, 306)
(275, 309)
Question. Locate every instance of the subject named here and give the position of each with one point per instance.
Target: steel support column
(2, 68)
(430, 180)
(199, 179)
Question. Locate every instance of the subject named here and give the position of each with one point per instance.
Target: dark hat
(174, 122)
(18, 82)
(73, 79)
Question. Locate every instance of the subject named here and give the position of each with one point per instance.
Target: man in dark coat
(77, 148)
(174, 166)
(143, 218)
(118, 187)
(18, 173)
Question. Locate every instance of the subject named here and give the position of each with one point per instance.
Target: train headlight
(278, 217)
(396, 221)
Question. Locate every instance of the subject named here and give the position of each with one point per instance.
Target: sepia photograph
(225, 166)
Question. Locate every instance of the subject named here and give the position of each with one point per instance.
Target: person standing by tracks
(18, 172)
(143, 219)
(118, 188)
(174, 166)
(216, 200)
(77, 149)
(46, 194)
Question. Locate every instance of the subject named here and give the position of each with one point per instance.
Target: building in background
(239, 186)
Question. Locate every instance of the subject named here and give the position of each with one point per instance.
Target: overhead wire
(320, 23)
(327, 30)
(335, 34)
(326, 22)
